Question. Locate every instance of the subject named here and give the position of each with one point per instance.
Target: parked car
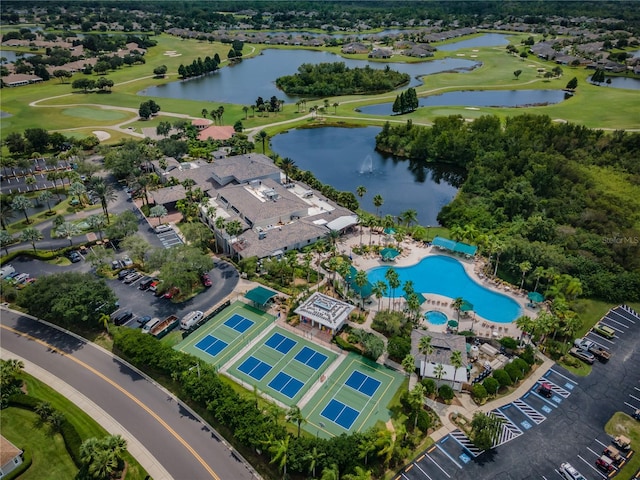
(605, 331)
(6, 271)
(545, 390)
(605, 464)
(26, 283)
(153, 287)
(169, 294)
(122, 317)
(144, 320)
(622, 442)
(163, 228)
(20, 278)
(570, 473)
(614, 454)
(583, 355)
(74, 256)
(636, 414)
(115, 264)
(122, 274)
(127, 261)
(206, 279)
(132, 277)
(145, 283)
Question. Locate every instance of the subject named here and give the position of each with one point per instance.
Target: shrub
(27, 460)
(528, 355)
(479, 392)
(521, 364)
(72, 441)
(429, 386)
(445, 392)
(398, 347)
(491, 385)
(424, 420)
(502, 377)
(508, 342)
(21, 400)
(514, 372)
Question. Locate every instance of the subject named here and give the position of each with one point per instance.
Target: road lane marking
(125, 392)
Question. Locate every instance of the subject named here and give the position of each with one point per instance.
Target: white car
(163, 228)
(127, 261)
(570, 473)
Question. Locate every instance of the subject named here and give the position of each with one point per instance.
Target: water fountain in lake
(367, 165)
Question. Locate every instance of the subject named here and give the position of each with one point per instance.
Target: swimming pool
(435, 318)
(446, 276)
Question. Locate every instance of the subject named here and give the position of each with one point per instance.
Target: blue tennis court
(286, 384)
(280, 343)
(362, 383)
(309, 357)
(255, 368)
(211, 345)
(339, 413)
(239, 323)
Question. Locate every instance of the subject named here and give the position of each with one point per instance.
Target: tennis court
(283, 365)
(224, 335)
(354, 398)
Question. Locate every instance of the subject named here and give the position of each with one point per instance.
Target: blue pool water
(446, 276)
(436, 318)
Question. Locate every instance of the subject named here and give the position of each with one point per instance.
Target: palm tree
(6, 239)
(31, 234)
(6, 213)
(394, 282)
(106, 193)
(361, 280)
(22, 203)
(158, 211)
(245, 109)
(367, 445)
(313, 457)
(386, 445)
(279, 450)
(438, 372)
(425, 347)
(457, 306)
(262, 135)
(378, 201)
(379, 290)
(76, 190)
(45, 197)
(409, 216)
(409, 364)
(524, 268)
(330, 473)
(335, 107)
(456, 360)
(416, 398)
(68, 230)
(525, 324)
(359, 473)
(54, 177)
(295, 415)
(287, 166)
(361, 190)
(96, 223)
(538, 273)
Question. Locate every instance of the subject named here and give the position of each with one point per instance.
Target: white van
(150, 324)
(6, 271)
(190, 319)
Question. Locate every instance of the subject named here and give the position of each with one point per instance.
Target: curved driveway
(186, 447)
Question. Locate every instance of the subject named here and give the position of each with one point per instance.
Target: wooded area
(560, 196)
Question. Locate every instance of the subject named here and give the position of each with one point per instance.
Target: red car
(206, 279)
(169, 294)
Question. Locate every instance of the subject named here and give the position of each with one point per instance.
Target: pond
(486, 40)
(621, 82)
(480, 98)
(12, 55)
(244, 82)
(346, 158)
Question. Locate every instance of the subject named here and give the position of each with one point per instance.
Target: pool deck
(412, 253)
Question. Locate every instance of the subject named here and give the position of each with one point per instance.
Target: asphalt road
(187, 448)
(571, 429)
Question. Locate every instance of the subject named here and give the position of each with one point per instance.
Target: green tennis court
(283, 365)
(226, 334)
(352, 399)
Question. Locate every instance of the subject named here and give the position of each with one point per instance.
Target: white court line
(567, 378)
(593, 468)
(437, 465)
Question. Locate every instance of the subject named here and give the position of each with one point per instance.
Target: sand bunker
(172, 53)
(102, 135)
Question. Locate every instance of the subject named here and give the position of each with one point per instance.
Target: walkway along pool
(446, 276)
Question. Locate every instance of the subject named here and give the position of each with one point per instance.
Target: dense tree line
(199, 67)
(330, 79)
(406, 102)
(559, 196)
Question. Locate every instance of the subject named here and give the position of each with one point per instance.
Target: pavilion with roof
(326, 312)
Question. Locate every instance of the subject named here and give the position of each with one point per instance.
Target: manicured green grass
(50, 457)
(623, 424)
(581, 370)
(84, 424)
(97, 114)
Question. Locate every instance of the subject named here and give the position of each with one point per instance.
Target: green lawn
(84, 424)
(50, 457)
(623, 424)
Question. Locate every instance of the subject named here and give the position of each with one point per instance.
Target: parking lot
(540, 433)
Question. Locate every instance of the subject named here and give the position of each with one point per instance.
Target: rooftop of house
(243, 168)
(443, 345)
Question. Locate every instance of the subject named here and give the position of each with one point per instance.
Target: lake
(621, 82)
(346, 158)
(479, 98)
(486, 40)
(12, 55)
(244, 82)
